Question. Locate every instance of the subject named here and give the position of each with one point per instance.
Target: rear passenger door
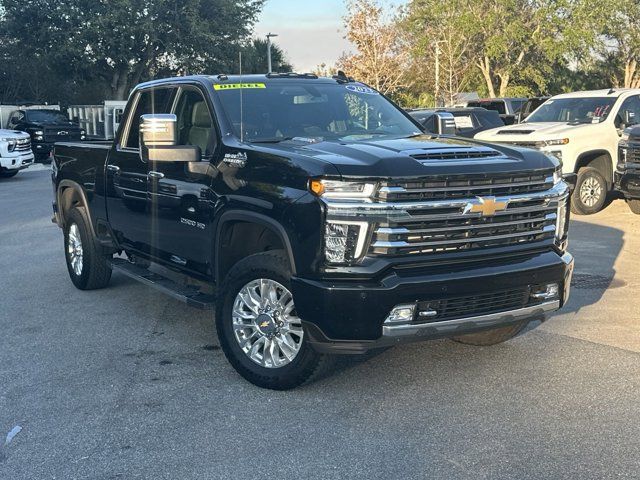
(181, 198)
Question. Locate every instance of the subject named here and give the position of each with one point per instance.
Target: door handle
(157, 175)
(113, 168)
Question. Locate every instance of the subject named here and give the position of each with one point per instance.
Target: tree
(505, 40)
(121, 42)
(621, 44)
(254, 57)
(381, 57)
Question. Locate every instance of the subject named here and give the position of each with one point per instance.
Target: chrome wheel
(265, 323)
(74, 249)
(590, 191)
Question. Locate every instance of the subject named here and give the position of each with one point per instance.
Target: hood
(527, 132)
(414, 157)
(13, 134)
(66, 125)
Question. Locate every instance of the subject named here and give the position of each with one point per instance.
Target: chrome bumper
(469, 323)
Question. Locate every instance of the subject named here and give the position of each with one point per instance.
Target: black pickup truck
(45, 127)
(317, 217)
(627, 175)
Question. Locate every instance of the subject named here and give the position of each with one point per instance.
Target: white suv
(582, 129)
(15, 152)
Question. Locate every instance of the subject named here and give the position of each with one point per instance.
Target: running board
(185, 293)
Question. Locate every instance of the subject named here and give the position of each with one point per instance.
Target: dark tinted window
(629, 112)
(498, 106)
(574, 110)
(516, 105)
(156, 100)
(46, 116)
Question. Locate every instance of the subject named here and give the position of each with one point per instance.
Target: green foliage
(72, 46)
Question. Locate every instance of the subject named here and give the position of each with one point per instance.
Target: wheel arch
(226, 255)
(601, 160)
(69, 195)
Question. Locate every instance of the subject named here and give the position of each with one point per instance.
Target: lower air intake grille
(475, 305)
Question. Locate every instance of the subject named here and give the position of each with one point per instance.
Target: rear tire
(8, 173)
(249, 320)
(491, 337)
(88, 267)
(634, 205)
(590, 194)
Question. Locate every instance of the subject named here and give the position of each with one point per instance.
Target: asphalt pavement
(126, 383)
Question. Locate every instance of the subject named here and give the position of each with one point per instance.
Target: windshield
(46, 116)
(574, 110)
(497, 106)
(273, 112)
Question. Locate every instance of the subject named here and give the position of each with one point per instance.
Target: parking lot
(128, 383)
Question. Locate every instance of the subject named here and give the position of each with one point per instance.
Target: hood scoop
(456, 155)
(515, 132)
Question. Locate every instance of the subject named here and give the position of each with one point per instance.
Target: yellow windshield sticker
(235, 86)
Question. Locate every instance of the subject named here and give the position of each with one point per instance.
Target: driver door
(180, 194)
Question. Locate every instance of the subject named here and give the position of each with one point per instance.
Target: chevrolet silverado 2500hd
(627, 176)
(317, 217)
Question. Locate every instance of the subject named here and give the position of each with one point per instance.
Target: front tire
(258, 327)
(491, 337)
(88, 267)
(634, 205)
(591, 192)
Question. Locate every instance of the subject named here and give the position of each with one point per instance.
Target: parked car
(627, 175)
(45, 128)
(15, 152)
(467, 121)
(507, 108)
(320, 217)
(582, 129)
(529, 107)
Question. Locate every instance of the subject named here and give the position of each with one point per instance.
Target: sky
(310, 32)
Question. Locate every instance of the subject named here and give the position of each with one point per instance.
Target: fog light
(546, 292)
(401, 314)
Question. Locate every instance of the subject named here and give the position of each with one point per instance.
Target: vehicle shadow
(595, 249)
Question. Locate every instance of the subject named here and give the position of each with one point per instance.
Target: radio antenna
(241, 106)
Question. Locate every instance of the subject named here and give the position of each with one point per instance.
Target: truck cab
(314, 217)
(582, 130)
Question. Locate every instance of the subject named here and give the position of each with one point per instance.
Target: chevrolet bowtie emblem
(264, 324)
(487, 206)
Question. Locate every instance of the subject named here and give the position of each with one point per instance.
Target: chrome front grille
(467, 186)
(23, 145)
(458, 232)
(403, 223)
(630, 154)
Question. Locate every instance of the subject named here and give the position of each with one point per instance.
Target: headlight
(39, 138)
(343, 190)
(38, 132)
(561, 222)
(344, 241)
(625, 136)
(560, 141)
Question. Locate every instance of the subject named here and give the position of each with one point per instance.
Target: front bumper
(343, 317)
(627, 180)
(17, 162)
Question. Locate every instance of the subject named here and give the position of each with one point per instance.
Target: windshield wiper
(270, 140)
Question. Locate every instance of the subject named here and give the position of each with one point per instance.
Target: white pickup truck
(15, 152)
(582, 129)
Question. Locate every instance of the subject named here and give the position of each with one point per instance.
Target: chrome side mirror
(445, 123)
(159, 140)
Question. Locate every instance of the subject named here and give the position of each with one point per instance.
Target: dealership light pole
(269, 35)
